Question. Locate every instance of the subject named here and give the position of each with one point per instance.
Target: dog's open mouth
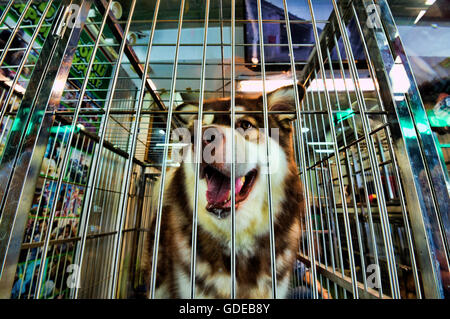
(218, 194)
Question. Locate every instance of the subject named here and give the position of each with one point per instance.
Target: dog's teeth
(243, 179)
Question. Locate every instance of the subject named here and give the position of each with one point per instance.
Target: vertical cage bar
(300, 140)
(337, 156)
(198, 153)
(311, 180)
(348, 167)
(6, 11)
(132, 151)
(381, 199)
(267, 154)
(48, 204)
(65, 158)
(95, 162)
(358, 147)
(221, 46)
(14, 32)
(418, 147)
(320, 159)
(165, 155)
(104, 182)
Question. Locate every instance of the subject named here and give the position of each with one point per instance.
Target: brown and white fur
(253, 259)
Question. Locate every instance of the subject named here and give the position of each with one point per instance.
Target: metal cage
(89, 92)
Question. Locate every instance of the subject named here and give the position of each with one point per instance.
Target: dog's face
(251, 170)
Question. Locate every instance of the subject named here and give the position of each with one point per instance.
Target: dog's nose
(213, 135)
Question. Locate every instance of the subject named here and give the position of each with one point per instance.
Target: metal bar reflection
(336, 154)
(24, 60)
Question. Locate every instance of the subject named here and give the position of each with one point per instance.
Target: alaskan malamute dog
(253, 262)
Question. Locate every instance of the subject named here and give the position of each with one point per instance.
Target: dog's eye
(246, 125)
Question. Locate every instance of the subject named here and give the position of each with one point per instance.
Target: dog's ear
(283, 99)
(191, 110)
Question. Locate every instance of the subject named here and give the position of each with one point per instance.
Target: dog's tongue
(219, 188)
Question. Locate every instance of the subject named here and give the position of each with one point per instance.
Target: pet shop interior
(89, 91)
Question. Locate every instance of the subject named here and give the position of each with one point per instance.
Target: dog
(252, 236)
